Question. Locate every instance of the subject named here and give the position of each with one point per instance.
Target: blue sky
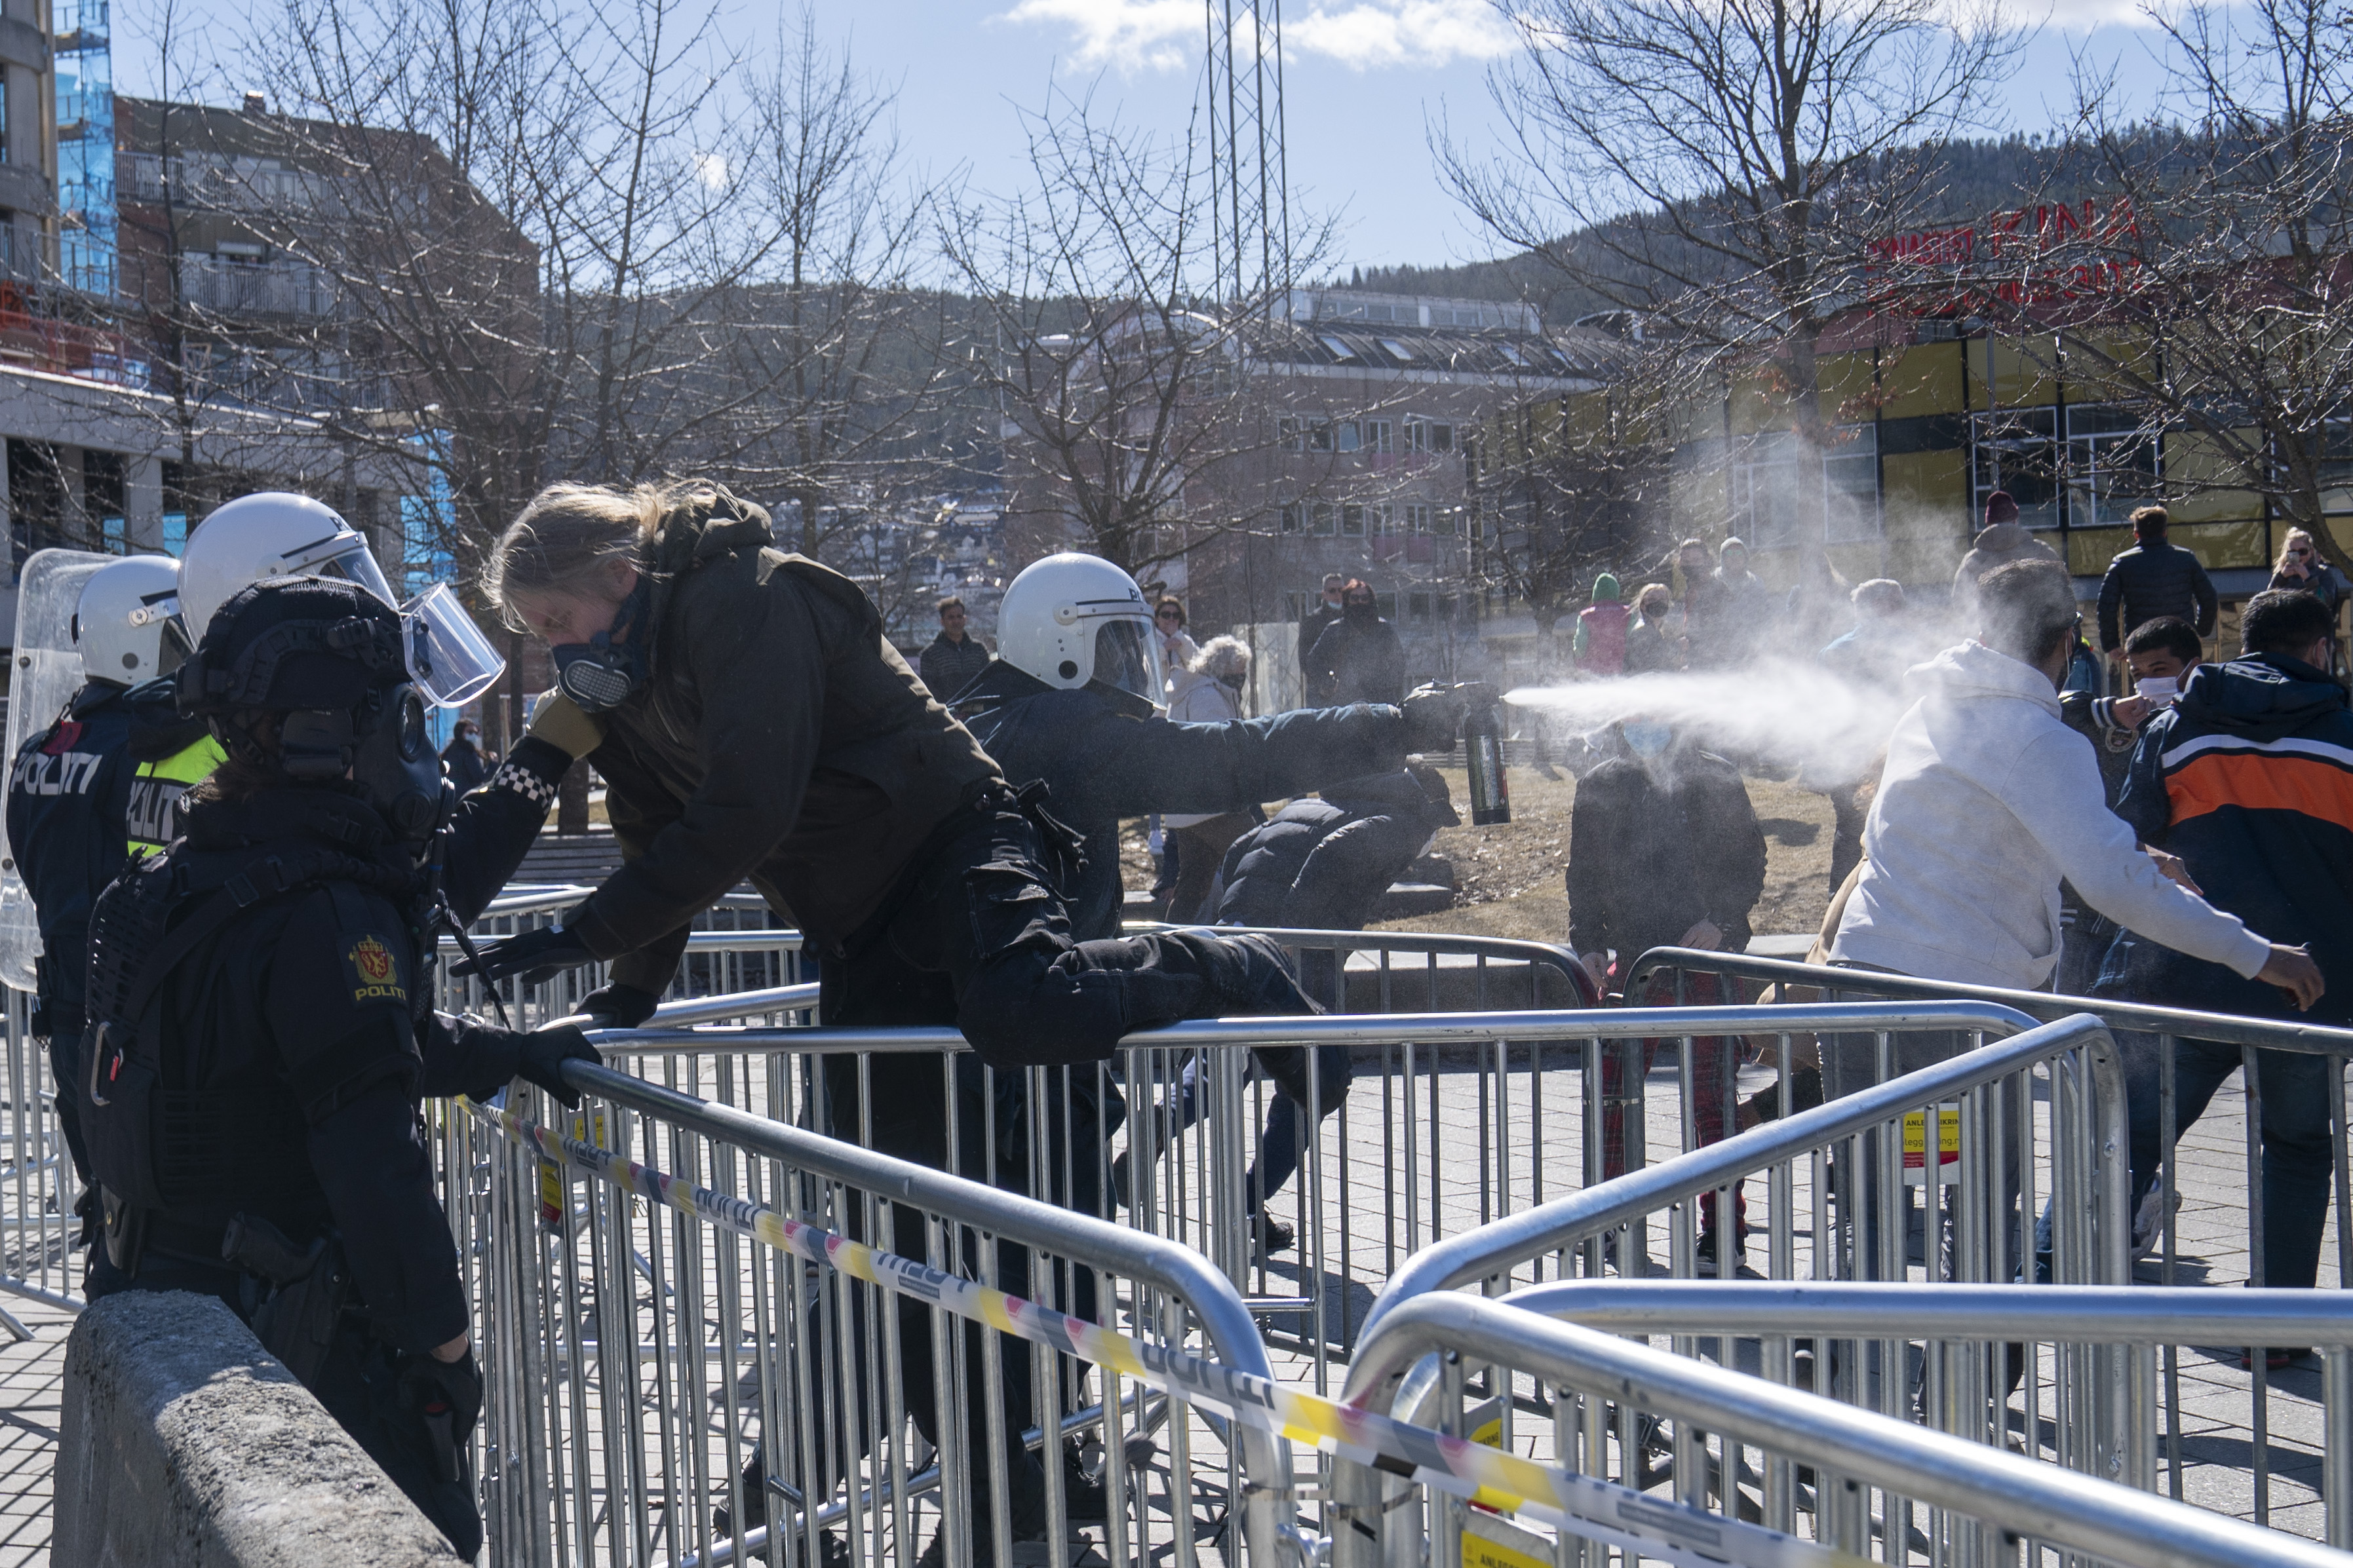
(1364, 79)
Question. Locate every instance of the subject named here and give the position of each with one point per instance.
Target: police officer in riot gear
(1054, 708)
(264, 1035)
(70, 785)
(275, 533)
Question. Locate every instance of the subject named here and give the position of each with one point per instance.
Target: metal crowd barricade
(2137, 1028)
(664, 1283)
(775, 1073)
(1792, 1479)
(39, 1190)
(1750, 1322)
(733, 949)
(2042, 1111)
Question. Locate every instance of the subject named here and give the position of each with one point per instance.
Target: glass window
(1380, 520)
(1290, 517)
(1398, 349)
(1322, 518)
(176, 533)
(2017, 451)
(2112, 466)
(1379, 436)
(1319, 437)
(1344, 435)
(1352, 521)
(1851, 484)
(1445, 519)
(1339, 350)
(1769, 483)
(1417, 518)
(2336, 457)
(1417, 606)
(1442, 438)
(1286, 434)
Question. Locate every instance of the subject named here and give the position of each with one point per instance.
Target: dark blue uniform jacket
(1322, 865)
(68, 791)
(1103, 758)
(2249, 778)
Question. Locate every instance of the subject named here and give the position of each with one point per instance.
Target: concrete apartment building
(98, 456)
(1349, 456)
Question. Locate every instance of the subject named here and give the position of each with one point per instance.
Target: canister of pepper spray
(1482, 741)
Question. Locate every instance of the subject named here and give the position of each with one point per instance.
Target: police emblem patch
(375, 973)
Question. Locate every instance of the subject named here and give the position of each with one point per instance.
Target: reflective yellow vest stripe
(153, 821)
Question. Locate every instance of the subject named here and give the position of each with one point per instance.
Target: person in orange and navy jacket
(2249, 779)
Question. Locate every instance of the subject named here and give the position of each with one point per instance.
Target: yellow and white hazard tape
(1486, 1477)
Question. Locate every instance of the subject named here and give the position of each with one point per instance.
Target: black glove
(544, 1052)
(446, 1399)
(537, 956)
(619, 1006)
(1433, 717)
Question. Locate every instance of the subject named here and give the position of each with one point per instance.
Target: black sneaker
(1704, 1261)
(1084, 1501)
(756, 1500)
(1272, 1235)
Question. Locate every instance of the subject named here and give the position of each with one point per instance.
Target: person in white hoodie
(1989, 799)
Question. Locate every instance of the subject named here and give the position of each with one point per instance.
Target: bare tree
(829, 373)
(1121, 375)
(2218, 298)
(1722, 165)
(1576, 485)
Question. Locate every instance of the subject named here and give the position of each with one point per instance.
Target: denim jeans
(2298, 1091)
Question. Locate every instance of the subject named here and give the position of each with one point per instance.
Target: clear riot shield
(44, 672)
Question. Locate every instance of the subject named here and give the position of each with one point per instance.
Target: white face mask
(2159, 690)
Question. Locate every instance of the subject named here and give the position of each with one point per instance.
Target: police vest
(153, 820)
(162, 1132)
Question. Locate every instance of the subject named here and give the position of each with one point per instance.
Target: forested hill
(1968, 180)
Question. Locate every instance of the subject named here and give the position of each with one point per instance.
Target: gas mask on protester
(600, 674)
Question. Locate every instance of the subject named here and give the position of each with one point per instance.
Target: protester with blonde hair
(759, 724)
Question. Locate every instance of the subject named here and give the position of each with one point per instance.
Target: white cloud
(710, 168)
(1403, 32)
(1167, 34)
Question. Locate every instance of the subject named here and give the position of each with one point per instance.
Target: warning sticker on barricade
(1485, 1477)
(1949, 1146)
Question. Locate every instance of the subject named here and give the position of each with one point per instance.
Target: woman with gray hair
(1207, 691)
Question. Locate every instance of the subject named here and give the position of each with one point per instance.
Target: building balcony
(225, 286)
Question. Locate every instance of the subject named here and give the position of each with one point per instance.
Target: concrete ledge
(183, 1442)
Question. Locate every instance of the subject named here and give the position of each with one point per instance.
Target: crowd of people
(947, 843)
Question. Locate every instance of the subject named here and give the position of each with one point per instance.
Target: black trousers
(977, 937)
(359, 1387)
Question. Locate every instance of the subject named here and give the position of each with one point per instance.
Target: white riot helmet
(1075, 620)
(127, 623)
(271, 535)
(276, 534)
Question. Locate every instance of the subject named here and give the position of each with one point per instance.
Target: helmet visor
(1127, 659)
(448, 658)
(353, 564)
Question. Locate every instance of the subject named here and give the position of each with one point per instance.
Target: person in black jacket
(261, 999)
(462, 758)
(1318, 865)
(1664, 851)
(68, 793)
(2153, 579)
(1312, 625)
(954, 659)
(2159, 656)
(2248, 777)
(758, 723)
(1357, 658)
